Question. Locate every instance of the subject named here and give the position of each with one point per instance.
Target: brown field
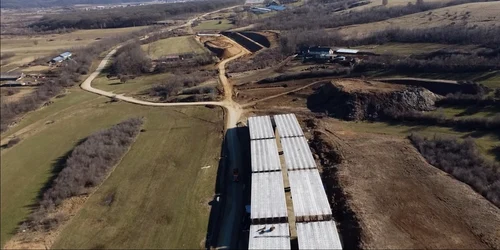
(399, 200)
(481, 14)
(30, 47)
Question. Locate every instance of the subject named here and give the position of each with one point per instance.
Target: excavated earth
(354, 99)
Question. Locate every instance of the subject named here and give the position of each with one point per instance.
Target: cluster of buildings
(61, 57)
(320, 53)
(270, 225)
(272, 6)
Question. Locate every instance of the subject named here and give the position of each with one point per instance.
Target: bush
(464, 162)
(86, 167)
(12, 142)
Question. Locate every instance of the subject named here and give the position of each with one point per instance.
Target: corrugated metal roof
(318, 235)
(308, 195)
(279, 238)
(288, 125)
(297, 153)
(268, 196)
(265, 156)
(260, 127)
(347, 51)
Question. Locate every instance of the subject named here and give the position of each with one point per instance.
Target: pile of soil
(353, 99)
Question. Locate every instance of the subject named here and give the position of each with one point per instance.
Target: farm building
(260, 10)
(347, 51)
(11, 77)
(276, 7)
(66, 55)
(318, 52)
(61, 57)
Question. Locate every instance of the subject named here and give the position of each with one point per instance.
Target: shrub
(86, 167)
(464, 162)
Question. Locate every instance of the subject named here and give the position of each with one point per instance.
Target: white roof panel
(318, 235)
(265, 156)
(297, 153)
(308, 195)
(260, 127)
(347, 51)
(268, 196)
(279, 238)
(288, 125)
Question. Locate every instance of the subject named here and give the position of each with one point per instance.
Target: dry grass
(173, 46)
(28, 48)
(481, 14)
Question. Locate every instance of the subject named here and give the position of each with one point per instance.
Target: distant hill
(52, 3)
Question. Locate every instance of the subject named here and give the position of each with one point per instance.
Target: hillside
(53, 3)
(483, 14)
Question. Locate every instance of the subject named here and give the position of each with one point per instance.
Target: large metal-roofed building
(288, 125)
(310, 202)
(268, 204)
(260, 127)
(278, 238)
(297, 153)
(318, 235)
(264, 155)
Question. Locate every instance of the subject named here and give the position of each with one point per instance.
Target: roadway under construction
(271, 221)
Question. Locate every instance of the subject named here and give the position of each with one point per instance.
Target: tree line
(462, 160)
(86, 167)
(126, 17)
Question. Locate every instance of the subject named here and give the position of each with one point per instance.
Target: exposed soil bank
(352, 99)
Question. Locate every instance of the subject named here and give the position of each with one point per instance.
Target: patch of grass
(470, 111)
(492, 80)
(222, 24)
(131, 86)
(486, 141)
(155, 165)
(409, 48)
(172, 46)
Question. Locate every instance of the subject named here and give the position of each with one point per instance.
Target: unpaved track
(229, 228)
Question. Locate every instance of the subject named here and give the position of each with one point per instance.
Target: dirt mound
(353, 99)
(223, 49)
(382, 190)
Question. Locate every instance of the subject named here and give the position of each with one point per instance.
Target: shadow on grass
(57, 167)
(224, 183)
(496, 152)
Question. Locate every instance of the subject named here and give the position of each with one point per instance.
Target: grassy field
(405, 49)
(132, 86)
(162, 192)
(28, 48)
(172, 46)
(486, 142)
(213, 25)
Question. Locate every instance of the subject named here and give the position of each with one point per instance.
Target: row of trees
(183, 80)
(86, 167)
(130, 59)
(462, 160)
(126, 17)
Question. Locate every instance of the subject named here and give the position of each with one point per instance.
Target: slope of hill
(52, 3)
(484, 14)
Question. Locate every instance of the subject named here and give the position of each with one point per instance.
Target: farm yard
(28, 48)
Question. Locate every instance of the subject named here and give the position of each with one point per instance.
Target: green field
(405, 49)
(28, 48)
(211, 25)
(486, 142)
(173, 46)
(131, 86)
(162, 190)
